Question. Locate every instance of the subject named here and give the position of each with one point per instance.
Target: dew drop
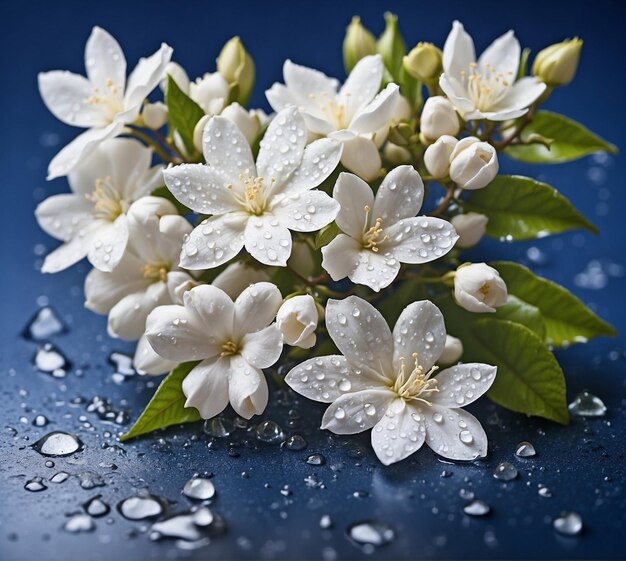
(269, 431)
(477, 508)
(587, 405)
(140, 507)
(79, 523)
(525, 450)
(50, 360)
(199, 488)
(371, 533)
(96, 507)
(316, 460)
(219, 427)
(44, 324)
(295, 443)
(58, 443)
(568, 524)
(340, 413)
(505, 472)
(466, 437)
(35, 485)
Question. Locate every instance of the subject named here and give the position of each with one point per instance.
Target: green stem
(149, 141)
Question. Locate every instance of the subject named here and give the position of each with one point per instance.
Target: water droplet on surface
(106, 411)
(40, 421)
(90, 480)
(525, 450)
(269, 431)
(316, 460)
(371, 533)
(58, 443)
(505, 472)
(123, 364)
(544, 492)
(79, 523)
(59, 477)
(44, 324)
(325, 522)
(477, 508)
(219, 427)
(191, 526)
(50, 360)
(295, 443)
(199, 488)
(587, 405)
(35, 485)
(96, 507)
(141, 507)
(568, 524)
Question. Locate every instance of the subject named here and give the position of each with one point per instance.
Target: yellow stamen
(156, 271)
(108, 204)
(371, 237)
(229, 348)
(417, 385)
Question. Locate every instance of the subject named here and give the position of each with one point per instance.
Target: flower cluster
(220, 236)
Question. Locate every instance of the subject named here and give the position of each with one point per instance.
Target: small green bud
(358, 43)
(391, 45)
(237, 67)
(556, 65)
(424, 62)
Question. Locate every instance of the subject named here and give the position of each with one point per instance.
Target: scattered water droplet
(525, 450)
(199, 488)
(58, 443)
(141, 507)
(505, 472)
(587, 405)
(106, 411)
(568, 524)
(35, 485)
(59, 477)
(219, 427)
(96, 507)
(316, 460)
(466, 437)
(325, 522)
(191, 526)
(544, 492)
(44, 324)
(295, 443)
(371, 533)
(40, 421)
(50, 360)
(477, 508)
(123, 364)
(79, 523)
(269, 431)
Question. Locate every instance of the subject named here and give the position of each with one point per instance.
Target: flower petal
(146, 76)
(326, 378)
(66, 255)
(354, 195)
(503, 56)
(256, 307)
(206, 387)
(268, 240)
(213, 309)
(462, 384)
(214, 241)
(173, 230)
(399, 433)
(356, 412)
(457, 95)
(67, 96)
(400, 195)
(306, 211)
(104, 60)
(361, 156)
(127, 163)
(279, 96)
(238, 276)
(375, 270)
(262, 348)
(247, 388)
(320, 159)
(226, 149)
(201, 188)
(521, 95)
(341, 256)
(305, 84)
(146, 361)
(454, 433)
(378, 113)
(108, 244)
(420, 329)
(362, 84)
(458, 51)
(282, 147)
(177, 335)
(419, 240)
(360, 333)
(62, 215)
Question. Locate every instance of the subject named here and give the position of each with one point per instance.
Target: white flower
(91, 221)
(385, 381)
(381, 232)
(452, 351)
(254, 205)
(235, 278)
(297, 320)
(470, 227)
(486, 89)
(351, 115)
(438, 118)
(233, 341)
(479, 288)
(248, 123)
(437, 156)
(139, 283)
(473, 163)
(104, 101)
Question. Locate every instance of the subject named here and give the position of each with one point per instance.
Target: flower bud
(238, 276)
(178, 74)
(556, 65)
(452, 351)
(198, 130)
(391, 45)
(397, 155)
(154, 115)
(247, 121)
(473, 163)
(301, 259)
(438, 118)
(210, 92)
(437, 156)
(146, 209)
(479, 288)
(424, 62)
(179, 282)
(297, 319)
(470, 227)
(358, 43)
(237, 66)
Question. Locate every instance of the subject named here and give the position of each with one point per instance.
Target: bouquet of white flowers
(220, 235)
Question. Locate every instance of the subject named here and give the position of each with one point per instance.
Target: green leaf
(326, 235)
(521, 208)
(518, 311)
(567, 320)
(529, 379)
(570, 141)
(183, 113)
(167, 406)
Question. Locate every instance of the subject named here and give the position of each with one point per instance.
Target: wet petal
(306, 211)
(226, 149)
(146, 361)
(341, 256)
(213, 309)
(362, 84)
(454, 433)
(320, 159)
(356, 412)
(462, 384)
(108, 244)
(399, 196)
(262, 348)
(247, 388)
(378, 113)
(268, 240)
(354, 195)
(206, 387)
(61, 216)
(104, 60)
(375, 270)
(256, 307)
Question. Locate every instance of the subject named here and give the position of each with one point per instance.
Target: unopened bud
(358, 43)
(470, 227)
(154, 115)
(424, 62)
(556, 65)
(237, 66)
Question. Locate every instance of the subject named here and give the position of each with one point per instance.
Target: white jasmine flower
(254, 204)
(352, 115)
(452, 351)
(470, 227)
(233, 341)
(297, 320)
(381, 232)
(139, 283)
(91, 221)
(487, 88)
(479, 288)
(386, 382)
(104, 101)
(438, 118)
(437, 156)
(473, 163)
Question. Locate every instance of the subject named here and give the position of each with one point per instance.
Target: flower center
(107, 203)
(109, 101)
(484, 289)
(156, 271)
(255, 194)
(372, 236)
(333, 111)
(486, 89)
(416, 385)
(229, 348)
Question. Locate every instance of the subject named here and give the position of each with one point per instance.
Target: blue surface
(582, 464)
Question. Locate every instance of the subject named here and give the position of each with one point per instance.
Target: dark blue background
(583, 464)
